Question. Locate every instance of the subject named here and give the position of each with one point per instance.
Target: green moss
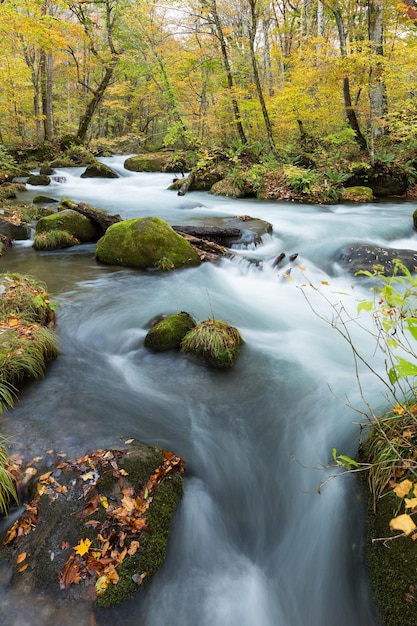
(146, 162)
(169, 332)
(228, 187)
(358, 194)
(99, 170)
(143, 242)
(392, 566)
(151, 553)
(71, 221)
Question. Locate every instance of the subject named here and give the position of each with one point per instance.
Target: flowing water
(252, 542)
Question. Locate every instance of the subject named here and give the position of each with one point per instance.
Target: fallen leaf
(138, 578)
(133, 548)
(83, 547)
(403, 523)
(410, 503)
(403, 488)
(129, 441)
(21, 557)
(22, 569)
(104, 502)
(65, 545)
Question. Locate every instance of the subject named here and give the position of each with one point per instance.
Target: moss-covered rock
(70, 221)
(228, 187)
(47, 170)
(99, 170)
(38, 180)
(120, 503)
(40, 199)
(145, 243)
(357, 194)
(216, 342)
(169, 332)
(392, 566)
(146, 162)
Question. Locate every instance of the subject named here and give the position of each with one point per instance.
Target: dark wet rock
(363, 257)
(14, 231)
(38, 180)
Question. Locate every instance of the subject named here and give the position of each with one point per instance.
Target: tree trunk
(228, 70)
(94, 102)
(350, 111)
(377, 88)
(46, 90)
(252, 35)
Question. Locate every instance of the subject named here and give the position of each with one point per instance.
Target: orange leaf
(22, 569)
(21, 557)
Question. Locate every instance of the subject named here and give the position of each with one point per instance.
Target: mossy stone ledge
(145, 243)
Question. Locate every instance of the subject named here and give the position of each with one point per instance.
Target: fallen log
(100, 219)
(218, 234)
(186, 184)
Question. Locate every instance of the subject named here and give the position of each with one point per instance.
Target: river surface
(252, 542)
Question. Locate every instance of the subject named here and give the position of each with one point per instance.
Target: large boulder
(146, 162)
(357, 194)
(169, 332)
(145, 243)
(363, 257)
(71, 221)
(99, 170)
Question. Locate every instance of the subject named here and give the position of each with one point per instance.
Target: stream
(252, 542)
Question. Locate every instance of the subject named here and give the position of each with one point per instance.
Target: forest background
(336, 79)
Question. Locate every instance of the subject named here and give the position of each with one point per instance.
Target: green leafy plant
(300, 179)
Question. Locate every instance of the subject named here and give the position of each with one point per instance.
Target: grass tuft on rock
(54, 240)
(215, 341)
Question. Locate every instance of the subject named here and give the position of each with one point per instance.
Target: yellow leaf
(83, 547)
(129, 441)
(403, 523)
(134, 545)
(410, 503)
(87, 476)
(104, 502)
(403, 488)
(324, 282)
(123, 472)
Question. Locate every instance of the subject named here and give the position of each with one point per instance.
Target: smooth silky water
(252, 542)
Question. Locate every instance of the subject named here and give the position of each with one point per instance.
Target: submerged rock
(145, 243)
